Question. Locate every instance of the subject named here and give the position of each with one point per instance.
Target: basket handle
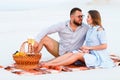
(30, 48)
(22, 48)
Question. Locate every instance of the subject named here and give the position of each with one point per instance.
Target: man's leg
(50, 44)
(60, 58)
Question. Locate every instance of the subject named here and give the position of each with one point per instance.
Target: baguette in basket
(29, 59)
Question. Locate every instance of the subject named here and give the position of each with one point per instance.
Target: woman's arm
(98, 47)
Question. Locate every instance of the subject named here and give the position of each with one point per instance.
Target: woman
(93, 53)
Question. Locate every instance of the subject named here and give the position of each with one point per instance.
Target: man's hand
(35, 46)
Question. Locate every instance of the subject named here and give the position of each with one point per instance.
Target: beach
(20, 20)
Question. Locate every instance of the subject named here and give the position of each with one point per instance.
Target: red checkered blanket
(49, 70)
(44, 70)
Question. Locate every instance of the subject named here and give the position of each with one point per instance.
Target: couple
(78, 41)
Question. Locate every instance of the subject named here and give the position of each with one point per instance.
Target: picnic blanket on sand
(50, 70)
(44, 70)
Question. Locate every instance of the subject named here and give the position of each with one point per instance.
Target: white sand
(23, 18)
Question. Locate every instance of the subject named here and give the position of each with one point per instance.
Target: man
(72, 34)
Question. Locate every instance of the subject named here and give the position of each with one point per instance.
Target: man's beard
(76, 23)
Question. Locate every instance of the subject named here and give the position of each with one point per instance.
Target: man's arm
(49, 30)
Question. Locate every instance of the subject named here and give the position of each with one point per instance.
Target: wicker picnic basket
(26, 60)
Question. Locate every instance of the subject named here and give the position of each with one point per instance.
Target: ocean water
(22, 19)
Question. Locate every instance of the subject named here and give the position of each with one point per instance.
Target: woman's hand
(85, 49)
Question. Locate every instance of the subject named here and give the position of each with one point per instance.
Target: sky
(27, 4)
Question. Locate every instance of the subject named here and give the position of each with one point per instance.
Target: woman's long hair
(95, 15)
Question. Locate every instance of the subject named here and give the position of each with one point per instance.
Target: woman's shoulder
(100, 28)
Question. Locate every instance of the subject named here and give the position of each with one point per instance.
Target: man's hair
(74, 10)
